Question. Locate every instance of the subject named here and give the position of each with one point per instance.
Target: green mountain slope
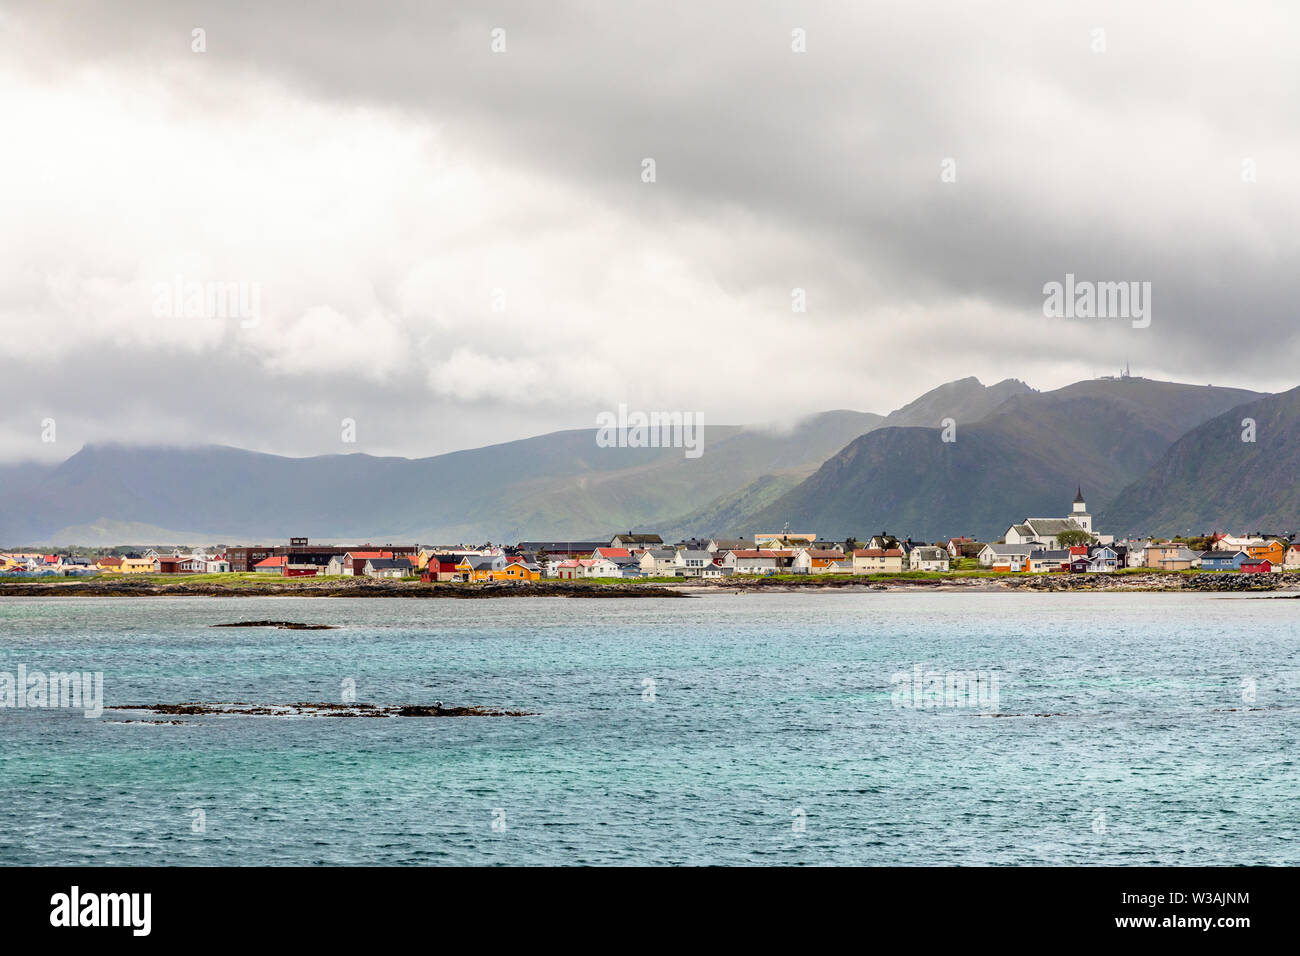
(1212, 480)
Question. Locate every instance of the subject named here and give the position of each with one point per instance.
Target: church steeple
(1080, 513)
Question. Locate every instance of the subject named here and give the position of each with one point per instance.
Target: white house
(998, 553)
(599, 568)
(1103, 560)
(660, 562)
(1137, 554)
(692, 563)
(1231, 543)
(929, 559)
(1044, 561)
(876, 560)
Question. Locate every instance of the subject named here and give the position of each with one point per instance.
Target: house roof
(1050, 527)
(931, 554)
(611, 552)
(550, 547)
(1015, 549)
(640, 538)
(745, 553)
(732, 544)
(275, 561)
(384, 564)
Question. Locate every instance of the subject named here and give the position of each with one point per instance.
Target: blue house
(1223, 560)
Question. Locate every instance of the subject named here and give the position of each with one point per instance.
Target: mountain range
(1153, 457)
(1026, 458)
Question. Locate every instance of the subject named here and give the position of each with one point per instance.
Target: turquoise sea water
(768, 710)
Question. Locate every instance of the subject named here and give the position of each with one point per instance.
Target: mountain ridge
(1025, 458)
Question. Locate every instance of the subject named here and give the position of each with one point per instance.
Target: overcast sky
(385, 179)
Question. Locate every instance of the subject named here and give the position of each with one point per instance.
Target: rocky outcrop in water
(306, 709)
(282, 625)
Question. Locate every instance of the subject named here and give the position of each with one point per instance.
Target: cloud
(465, 236)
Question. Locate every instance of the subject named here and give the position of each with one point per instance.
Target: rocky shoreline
(1157, 581)
(347, 587)
(1152, 581)
(373, 588)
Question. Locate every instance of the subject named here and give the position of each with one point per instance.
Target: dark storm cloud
(1117, 164)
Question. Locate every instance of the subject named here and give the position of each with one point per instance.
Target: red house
(1254, 566)
(441, 567)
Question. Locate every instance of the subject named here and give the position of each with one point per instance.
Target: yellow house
(475, 569)
(137, 566)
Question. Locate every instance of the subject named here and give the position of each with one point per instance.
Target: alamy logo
(36, 689)
(920, 688)
(103, 909)
(179, 299)
(1098, 300)
(624, 429)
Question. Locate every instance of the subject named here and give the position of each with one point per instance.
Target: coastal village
(1053, 545)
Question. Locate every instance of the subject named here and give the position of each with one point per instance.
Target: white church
(1044, 531)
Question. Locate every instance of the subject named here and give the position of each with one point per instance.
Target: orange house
(517, 571)
(1272, 551)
